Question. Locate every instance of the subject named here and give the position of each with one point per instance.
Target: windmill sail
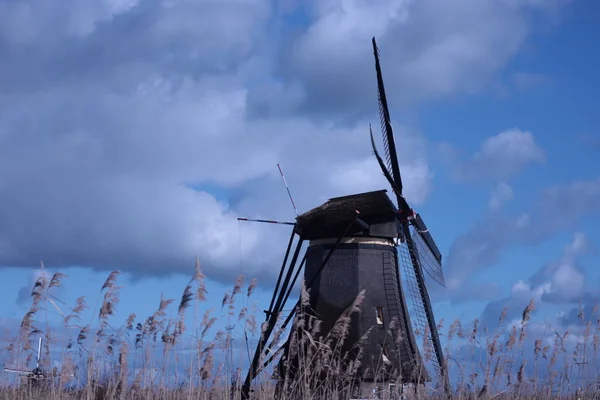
(386, 127)
(384, 168)
(17, 371)
(418, 251)
(420, 318)
(430, 258)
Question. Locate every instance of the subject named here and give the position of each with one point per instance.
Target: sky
(133, 133)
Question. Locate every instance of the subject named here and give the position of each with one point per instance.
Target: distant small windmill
(358, 242)
(37, 374)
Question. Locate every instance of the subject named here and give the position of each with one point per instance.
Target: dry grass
(160, 357)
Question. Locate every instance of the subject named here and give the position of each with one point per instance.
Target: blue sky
(132, 136)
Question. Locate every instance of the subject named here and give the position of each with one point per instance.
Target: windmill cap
(332, 217)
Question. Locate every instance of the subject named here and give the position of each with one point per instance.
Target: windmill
(358, 242)
(34, 376)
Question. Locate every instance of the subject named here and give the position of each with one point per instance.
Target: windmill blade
(39, 353)
(423, 320)
(427, 260)
(421, 228)
(429, 255)
(16, 371)
(384, 169)
(386, 125)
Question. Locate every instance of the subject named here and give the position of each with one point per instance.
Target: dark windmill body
(365, 258)
(363, 242)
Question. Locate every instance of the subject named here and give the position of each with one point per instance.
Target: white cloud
(524, 291)
(566, 279)
(520, 287)
(501, 157)
(432, 49)
(560, 282)
(558, 208)
(512, 144)
(577, 246)
(500, 195)
(365, 175)
(561, 278)
(112, 111)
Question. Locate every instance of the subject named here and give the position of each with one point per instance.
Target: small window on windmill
(379, 315)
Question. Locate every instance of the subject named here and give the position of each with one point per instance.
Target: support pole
(271, 321)
(285, 258)
(287, 295)
(289, 291)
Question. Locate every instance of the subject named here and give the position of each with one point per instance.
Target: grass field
(178, 353)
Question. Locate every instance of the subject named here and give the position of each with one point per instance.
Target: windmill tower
(366, 241)
(365, 258)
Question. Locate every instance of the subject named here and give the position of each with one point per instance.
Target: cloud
(117, 115)
(559, 282)
(557, 208)
(579, 315)
(500, 195)
(499, 158)
(430, 50)
(565, 204)
(357, 175)
(109, 169)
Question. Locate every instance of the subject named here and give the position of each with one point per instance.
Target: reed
(160, 357)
